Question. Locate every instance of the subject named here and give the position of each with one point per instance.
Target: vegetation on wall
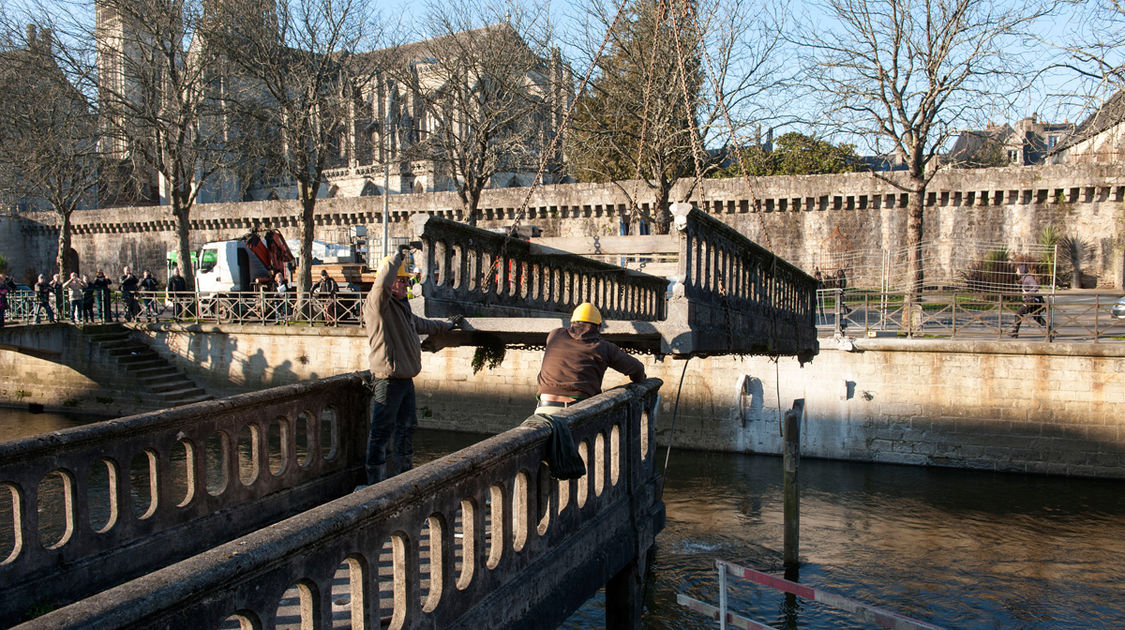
(795, 154)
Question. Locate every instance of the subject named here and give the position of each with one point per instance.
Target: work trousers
(392, 412)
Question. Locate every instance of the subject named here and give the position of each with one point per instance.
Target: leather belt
(555, 403)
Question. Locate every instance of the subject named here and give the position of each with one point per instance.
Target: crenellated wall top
(992, 186)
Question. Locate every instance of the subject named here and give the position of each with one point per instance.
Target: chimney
(31, 36)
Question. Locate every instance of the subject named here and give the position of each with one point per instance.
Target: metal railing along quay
(1080, 316)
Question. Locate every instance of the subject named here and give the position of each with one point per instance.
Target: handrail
(1075, 317)
(145, 490)
(494, 499)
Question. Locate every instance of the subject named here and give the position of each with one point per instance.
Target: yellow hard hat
(587, 312)
(403, 272)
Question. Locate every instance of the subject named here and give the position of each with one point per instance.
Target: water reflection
(959, 549)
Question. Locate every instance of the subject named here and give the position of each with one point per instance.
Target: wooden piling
(791, 460)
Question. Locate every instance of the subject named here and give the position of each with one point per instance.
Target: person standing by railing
(43, 295)
(149, 285)
(74, 286)
(88, 291)
(325, 289)
(57, 291)
(177, 286)
(395, 358)
(129, 284)
(103, 295)
(7, 287)
(282, 297)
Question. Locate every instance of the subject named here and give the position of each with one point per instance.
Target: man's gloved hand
(405, 248)
(457, 322)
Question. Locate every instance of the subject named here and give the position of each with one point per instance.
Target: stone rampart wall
(793, 216)
(1027, 407)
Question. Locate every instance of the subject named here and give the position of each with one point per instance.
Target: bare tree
(1096, 46)
(482, 95)
(303, 84)
(159, 101)
(906, 75)
(676, 76)
(1091, 76)
(48, 134)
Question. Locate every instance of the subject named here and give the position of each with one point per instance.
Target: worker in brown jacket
(395, 358)
(576, 359)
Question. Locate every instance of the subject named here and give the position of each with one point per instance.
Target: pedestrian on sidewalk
(1032, 303)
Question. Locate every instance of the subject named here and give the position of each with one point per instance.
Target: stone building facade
(791, 216)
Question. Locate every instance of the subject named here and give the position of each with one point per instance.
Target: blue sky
(566, 15)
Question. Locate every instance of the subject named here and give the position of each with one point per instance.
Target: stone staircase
(171, 386)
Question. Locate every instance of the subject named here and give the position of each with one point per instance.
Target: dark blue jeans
(392, 412)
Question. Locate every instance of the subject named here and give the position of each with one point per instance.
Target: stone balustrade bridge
(210, 514)
(206, 515)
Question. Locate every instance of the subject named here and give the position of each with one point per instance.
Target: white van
(228, 267)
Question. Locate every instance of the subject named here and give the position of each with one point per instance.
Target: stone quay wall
(1023, 407)
(795, 216)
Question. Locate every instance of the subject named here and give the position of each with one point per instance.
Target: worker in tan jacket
(395, 358)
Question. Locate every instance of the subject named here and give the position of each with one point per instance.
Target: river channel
(953, 548)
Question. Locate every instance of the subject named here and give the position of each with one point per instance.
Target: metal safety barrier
(868, 613)
(1068, 316)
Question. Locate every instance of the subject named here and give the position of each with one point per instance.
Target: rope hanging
(492, 274)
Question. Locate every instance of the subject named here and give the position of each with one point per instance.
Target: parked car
(1118, 309)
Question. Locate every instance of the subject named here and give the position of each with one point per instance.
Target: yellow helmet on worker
(587, 312)
(403, 271)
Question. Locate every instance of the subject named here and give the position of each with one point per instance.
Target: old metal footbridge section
(731, 295)
(239, 513)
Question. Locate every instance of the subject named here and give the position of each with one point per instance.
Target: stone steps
(167, 384)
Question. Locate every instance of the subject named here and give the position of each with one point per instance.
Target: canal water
(954, 548)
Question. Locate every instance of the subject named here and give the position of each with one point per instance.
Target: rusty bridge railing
(435, 547)
(140, 492)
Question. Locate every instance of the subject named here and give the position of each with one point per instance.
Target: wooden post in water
(791, 460)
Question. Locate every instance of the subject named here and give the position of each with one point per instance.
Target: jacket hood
(583, 331)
